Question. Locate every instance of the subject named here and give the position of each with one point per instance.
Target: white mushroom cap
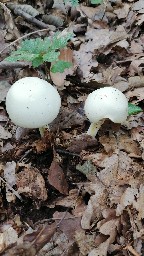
(107, 102)
(32, 102)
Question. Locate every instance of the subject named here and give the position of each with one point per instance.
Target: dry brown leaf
(136, 81)
(10, 177)
(8, 237)
(137, 92)
(123, 11)
(57, 178)
(109, 227)
(128, 198)
(11, 27)
(112, 76)
(82, 142)
(4, 87)
(93, 13)
(33, 240)
(129, 145)
(110, 143)
(136, 67)
(84, 61)
(39, 238)
(99, 39)
(108, 175)
(101, 250)
(68, 223)
(139, 5)
(96, 204)
(4, 134)
(31, 183)
(139, 204)
(85, 242)
(136, 47)
(66, 54)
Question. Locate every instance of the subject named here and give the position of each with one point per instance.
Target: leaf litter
(70, 194)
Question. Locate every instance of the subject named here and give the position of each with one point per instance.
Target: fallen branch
(132, 250)
(12, 65)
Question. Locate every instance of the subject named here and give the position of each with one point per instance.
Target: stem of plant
(94, 127)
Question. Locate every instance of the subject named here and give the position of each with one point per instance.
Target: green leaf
(96, 1)
(60, 40)
(37, 61)
(60, 66)
(133, 109)
(22, 56)
(73, 2)
(51, 56)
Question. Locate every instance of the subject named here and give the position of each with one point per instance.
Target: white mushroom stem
(94, 127)
(42, 130)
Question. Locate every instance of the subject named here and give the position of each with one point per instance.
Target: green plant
(76, 2)
(40, 50)
(73, 2)
(133, 109)
(96, 1)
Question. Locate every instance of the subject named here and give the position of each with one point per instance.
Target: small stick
(132, 250)
(11, 65)
(10, 188)
(64, 152)
(22, 37)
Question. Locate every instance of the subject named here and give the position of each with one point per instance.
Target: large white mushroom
(107, 102)
(32, 102)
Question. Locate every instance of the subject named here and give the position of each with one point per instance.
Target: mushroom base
(42, 130)
(94, 127)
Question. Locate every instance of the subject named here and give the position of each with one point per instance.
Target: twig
(26, 154)
(22, 37)
(132, 250)
(11, 65)
(65, 152)
(31, 19)
(62, 218)
(10, 188)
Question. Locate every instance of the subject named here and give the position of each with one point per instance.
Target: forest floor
(68, 193)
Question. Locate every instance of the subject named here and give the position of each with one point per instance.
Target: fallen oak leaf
(57, 179)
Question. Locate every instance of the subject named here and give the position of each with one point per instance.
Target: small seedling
(40, 50)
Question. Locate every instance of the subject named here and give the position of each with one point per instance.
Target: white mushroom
(107, 102)
(32, 102)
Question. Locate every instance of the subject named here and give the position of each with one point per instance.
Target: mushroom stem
(42, 130)
(94, 127)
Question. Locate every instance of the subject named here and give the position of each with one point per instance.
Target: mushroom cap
(107, 102)
(32, 102)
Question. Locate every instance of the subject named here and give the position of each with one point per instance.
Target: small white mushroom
(107, 102)
(32, 102)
